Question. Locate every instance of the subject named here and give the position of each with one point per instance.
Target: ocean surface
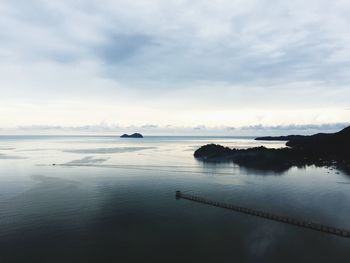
(107, 199)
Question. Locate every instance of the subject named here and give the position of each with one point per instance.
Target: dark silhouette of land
(134, 135)
(279, 138)
(321, 149)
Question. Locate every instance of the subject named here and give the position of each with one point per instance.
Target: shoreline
(322, 150)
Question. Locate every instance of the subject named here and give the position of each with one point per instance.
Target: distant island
(323, 149)
(134, 135)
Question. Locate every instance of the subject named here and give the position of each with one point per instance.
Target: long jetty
(300, 223)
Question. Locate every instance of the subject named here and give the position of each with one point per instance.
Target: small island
(323, 149)
(134, 135)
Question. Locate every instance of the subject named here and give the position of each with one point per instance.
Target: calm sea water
(113, 200)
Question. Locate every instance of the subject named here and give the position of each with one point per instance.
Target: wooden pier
(300, 223)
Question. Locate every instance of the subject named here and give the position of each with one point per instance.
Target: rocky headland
(321, 149)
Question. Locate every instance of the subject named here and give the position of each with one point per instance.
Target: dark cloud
(200, 127)
(120, 47)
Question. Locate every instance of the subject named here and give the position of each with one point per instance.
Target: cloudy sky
(156, 64)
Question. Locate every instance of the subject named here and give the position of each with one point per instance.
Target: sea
(108, 199)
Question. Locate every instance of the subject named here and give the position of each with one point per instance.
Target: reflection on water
(108, 150)
(119, 205)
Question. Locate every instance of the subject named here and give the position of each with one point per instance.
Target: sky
(174, 66)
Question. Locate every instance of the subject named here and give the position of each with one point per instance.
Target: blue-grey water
(108, 199)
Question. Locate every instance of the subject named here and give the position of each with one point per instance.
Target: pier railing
(279, 218)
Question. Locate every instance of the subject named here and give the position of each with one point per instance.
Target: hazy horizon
(155, 130)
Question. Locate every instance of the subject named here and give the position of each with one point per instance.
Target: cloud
(119, 48)
(200, 127)
(85, 128)
(160, 57)
(185, 41)
(149, 126)
(296, 127)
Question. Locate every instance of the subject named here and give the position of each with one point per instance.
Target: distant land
(134, 135)
(323, 149)
(279, 138)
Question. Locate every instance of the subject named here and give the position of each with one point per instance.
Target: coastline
(322, 150)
